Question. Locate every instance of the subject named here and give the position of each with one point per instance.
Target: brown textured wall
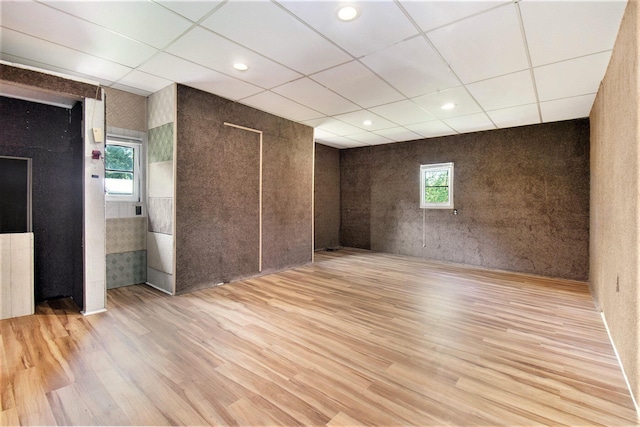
(48, 82)
(522, 197)
(327, 197)
(126, 110)
(615, 186)
(355, 197)
(216, 191)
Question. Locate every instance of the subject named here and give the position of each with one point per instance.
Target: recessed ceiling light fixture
(448, 106)
(240, 66)
(367, 123)
(347, 13)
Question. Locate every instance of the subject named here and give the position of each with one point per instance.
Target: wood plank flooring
(356, 338)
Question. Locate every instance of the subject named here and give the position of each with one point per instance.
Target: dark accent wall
(52, 137)
(48, 82)
(326, 197)
(522, 197)
(217, 183)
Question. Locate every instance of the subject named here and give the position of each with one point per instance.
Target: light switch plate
(98, 136)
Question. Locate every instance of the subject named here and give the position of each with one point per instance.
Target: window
(122, 171)
(436, 186)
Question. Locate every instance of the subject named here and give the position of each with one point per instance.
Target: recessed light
(347, 13)
(367, 123)
(240, 66)
(448, 106)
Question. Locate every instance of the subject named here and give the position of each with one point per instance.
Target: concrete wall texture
(615, 189)
(217, 191)
(522, 197)
(327, 197)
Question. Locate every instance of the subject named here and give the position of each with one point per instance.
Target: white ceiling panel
(267, 28)
(398, 134)
(307, 66)
(483, 46)
(431, 129)
(412, 67)
(378, 25)
(571, 78)
(505, 91)
(145, 81)
(582, 27)
(193, 10)
(178, 70)
(307, 92)
(206, 48)
(341, 142)
(370, 138)
(58, 27)
(276, 104)
(403, 113)
(464, 103)
(44, 52)
(358, 84)
(433, 14)
(320, 133)
(471, 123)
(568, 108)
(333, 126)
(521, 115)
(141, 20)
(357, 118)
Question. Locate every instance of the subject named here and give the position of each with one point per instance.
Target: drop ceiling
(502, 63)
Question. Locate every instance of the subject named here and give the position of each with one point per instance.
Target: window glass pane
(119, 158)
(436, 194)
(436, 178)
(119, 183)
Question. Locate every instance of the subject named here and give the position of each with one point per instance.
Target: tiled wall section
(161, 107)
(126, 234)
(161, 215)
(160, 197)
(126, 110)
(161, 143)
(126, 268)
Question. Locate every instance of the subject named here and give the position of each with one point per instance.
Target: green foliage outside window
(119, 162)
(436, 186)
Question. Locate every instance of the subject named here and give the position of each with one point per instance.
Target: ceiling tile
(144, 81)
(280, 106)
(584, 27)
(342, 142)
(370, 138)
(178, 70)
(49, 54)
(505, 91)
(567, 109)
(515, 116)
(361, 36)
(206, 48)
(412, 67)
(144, 21)
(130, 89)
(358, 84)
(58, 27)
(432, 14)
(333, 126)
(307, 92)
(320, 133)
(483, 46)
(357, 118)
(254, 24)
(471, 123)
(193, 10)
(571, 78)
(398, 134)
(403, 113)
(431, 129)
(459, 96)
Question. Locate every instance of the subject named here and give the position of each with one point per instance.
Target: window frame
(434, 167)
(137, 154)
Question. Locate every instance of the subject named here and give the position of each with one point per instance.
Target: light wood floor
(355, 339)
